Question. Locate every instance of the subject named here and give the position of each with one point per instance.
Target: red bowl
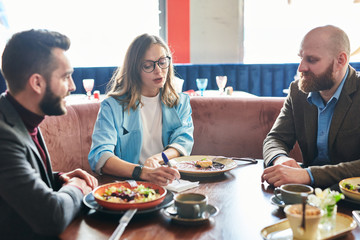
(125, 206)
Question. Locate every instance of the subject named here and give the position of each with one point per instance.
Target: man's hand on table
(80, 184)
(80, 179)
(285, 170)
(284, 160)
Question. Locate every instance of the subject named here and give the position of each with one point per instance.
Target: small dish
(282, 230)
(348, 193)
(274, 200)
(209, 212)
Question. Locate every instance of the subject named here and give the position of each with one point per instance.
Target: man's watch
(137, 172)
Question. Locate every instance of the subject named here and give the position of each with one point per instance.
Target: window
(274, 29)
(100, 31)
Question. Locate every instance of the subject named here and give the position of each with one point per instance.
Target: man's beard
(313, 83)
(51, 104)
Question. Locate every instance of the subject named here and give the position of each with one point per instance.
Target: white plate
(228, 165)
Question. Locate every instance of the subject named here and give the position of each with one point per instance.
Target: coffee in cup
(291, 193)
(312, 219)
(190, 205)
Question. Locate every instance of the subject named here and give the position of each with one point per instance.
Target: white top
(151, 117)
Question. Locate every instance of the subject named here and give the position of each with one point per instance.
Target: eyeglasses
(149, 66)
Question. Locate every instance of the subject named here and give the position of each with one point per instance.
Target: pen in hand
(167, 162)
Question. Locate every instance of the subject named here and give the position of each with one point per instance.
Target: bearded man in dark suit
(35, 202)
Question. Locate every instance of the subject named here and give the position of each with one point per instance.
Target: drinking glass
(201, 83)
(88, 85)
(328, 220)
(221, 82)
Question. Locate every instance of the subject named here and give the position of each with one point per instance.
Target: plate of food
(120, 196)
(203, 165)
(91, 203)
(350, 187)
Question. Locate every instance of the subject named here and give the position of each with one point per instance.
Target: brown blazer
(297, 121)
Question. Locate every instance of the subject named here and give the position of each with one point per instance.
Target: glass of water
(201, 83)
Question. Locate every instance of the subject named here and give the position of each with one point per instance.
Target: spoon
(302, 226)
(172, 210)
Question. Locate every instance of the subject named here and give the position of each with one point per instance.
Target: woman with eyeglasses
(142, 117)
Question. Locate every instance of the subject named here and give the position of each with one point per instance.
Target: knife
(124, 220)
(245, 159)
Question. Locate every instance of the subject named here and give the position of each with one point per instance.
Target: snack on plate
(351, 187)
(204, 163)
(129, 195)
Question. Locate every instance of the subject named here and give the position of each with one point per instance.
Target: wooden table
(244, 205)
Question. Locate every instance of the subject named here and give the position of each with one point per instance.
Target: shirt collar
(30, 119)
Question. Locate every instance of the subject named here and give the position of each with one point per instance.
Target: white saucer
(274, 200)
(210, 211)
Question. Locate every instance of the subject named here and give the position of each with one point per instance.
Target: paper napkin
(182, 185)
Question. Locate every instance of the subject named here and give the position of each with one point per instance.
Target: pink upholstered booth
(233, 127)
(228, 126)
(68, 137)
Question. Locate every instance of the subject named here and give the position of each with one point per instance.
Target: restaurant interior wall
(216, 32)
(207, 20)
(205, 31)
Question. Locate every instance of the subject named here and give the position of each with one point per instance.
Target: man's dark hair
(30, 52)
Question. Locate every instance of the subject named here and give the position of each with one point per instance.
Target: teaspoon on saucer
(171, 210)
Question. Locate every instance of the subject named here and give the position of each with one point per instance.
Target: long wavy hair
(125, 84)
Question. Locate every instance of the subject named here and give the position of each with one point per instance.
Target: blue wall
(258, 79)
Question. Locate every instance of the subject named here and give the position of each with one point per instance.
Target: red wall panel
(178, 29)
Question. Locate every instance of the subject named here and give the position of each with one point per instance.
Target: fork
(132, 183)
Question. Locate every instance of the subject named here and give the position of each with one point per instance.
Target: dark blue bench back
(259, 79)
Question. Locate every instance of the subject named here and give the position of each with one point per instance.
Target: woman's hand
(153, 161)
(162, 175)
